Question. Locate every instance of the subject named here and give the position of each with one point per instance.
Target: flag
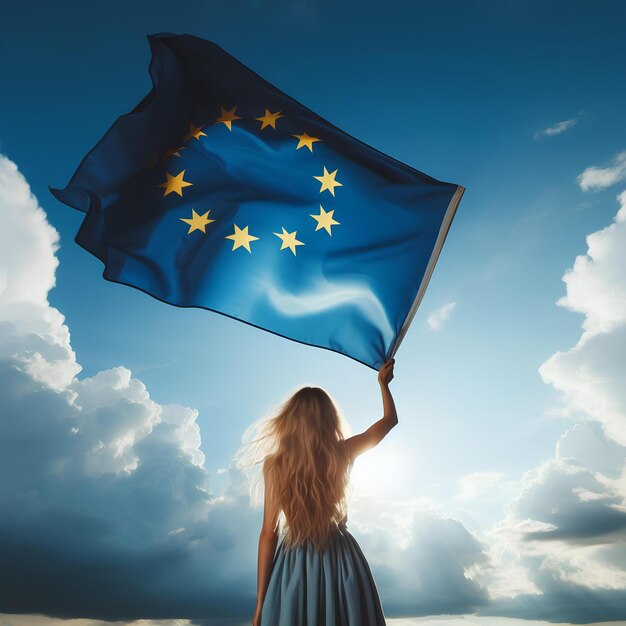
(220, 191)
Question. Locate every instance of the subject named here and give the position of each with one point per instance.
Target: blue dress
(331, 588)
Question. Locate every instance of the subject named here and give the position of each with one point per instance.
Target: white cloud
(478, 484)
(27, 242)
(601, 177)
(102, 489)
(596, 285)
(557, 129)
(556, 554)
(566, 529)
(588, 443)
(422, 560)
(591, 374)
(560, 539)
(27, 272)
(437, 318)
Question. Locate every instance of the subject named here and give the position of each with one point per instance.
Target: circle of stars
(241, 238)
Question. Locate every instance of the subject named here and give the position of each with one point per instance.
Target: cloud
(27, 272)
(437, 318)
(590, 375)
(422, 560)
(587, 443)
(563, 536)
(102, 489)
(557, 129)
(602, 177)
(478, 484)
(574, 506)
(102, 494)
(566, 529)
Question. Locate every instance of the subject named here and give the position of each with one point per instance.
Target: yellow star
(197, 222)
(289, 240)
(171, 153)
(324, 219)
(328, 181)
(227, 117)
(175, 184)
(195, 132)
(241, 238)
(269, 119)
(305, 140)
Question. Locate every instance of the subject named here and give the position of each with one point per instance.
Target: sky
(502, 492)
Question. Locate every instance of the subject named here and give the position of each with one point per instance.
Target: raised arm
(378, 430)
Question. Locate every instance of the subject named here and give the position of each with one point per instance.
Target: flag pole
(441, 237)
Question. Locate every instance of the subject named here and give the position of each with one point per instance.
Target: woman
(318, 576)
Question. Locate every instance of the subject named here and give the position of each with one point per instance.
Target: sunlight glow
(382, 470)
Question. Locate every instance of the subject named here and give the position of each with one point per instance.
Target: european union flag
(222, 192)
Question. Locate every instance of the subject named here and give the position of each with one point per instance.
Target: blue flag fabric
(220, 191)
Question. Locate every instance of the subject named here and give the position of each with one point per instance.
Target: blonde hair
(304, 464)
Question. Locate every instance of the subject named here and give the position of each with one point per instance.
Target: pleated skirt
(334, 587)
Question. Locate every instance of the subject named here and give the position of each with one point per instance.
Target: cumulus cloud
(557, 129)
(437, 318)
(28, 325)
(565, 531)
(422, 559)
(601, 177)
(588, 443)
(574, 506)
(566, 528)
(590, 375)
(107, 510)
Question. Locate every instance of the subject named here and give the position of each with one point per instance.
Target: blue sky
(460, 91)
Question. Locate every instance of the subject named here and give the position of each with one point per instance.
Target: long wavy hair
(299, 453)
